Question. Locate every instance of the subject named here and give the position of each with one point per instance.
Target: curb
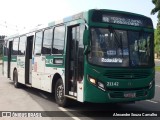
(157, 59)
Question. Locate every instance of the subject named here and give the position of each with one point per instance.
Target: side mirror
(86, 37)
(87, 49)
(86, 41)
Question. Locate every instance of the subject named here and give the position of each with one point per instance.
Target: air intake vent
(127, 74)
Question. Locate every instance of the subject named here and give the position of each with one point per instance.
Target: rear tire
(61, 100)
(15, 79)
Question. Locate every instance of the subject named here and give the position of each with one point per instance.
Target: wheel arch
(54, 80)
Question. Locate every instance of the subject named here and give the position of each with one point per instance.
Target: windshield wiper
(118, 39)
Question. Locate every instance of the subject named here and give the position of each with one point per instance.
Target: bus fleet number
(112, 83)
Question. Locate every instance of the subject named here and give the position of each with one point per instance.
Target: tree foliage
(157, 41)
(157, 31)
(157, 8)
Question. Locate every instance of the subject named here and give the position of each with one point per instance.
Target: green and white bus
(98, 56)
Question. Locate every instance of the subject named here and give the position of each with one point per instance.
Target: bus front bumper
(95, 95)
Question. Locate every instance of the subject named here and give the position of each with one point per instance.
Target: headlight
(101, 86)
(93, 81)
(97, 83)
(151, 84)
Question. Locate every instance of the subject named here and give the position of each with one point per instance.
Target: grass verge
(157, 68)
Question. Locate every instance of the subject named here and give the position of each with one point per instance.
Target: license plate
(129, 95)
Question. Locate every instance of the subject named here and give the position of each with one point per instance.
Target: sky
(18, 15)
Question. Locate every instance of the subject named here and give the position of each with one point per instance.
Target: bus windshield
(120, 48)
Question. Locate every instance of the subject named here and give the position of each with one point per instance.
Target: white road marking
(68, 113)
(43, 95)
(151, 101)
(157, 85)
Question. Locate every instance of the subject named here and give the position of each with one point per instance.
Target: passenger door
(38, 61)
(28, 60)
(9, 58)
(74, 59)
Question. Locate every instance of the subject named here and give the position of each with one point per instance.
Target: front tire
(15, 79)
(61, 100)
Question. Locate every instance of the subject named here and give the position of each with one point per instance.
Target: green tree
(157, 31)
(157, 41)
(157, 8)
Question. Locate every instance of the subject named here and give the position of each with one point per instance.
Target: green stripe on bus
(5, 58)
(14, 59)
(51, 63)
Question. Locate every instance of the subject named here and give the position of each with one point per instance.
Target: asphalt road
(31, 99)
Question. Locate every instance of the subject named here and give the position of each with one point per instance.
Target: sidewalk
(157, 59)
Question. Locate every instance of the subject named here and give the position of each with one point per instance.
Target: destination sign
(122, 18)
(124, 21)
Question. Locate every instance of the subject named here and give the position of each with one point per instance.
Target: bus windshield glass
(120, 48)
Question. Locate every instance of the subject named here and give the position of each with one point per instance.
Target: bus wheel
(15, 79)
(61, 100)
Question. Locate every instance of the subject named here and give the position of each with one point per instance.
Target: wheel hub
(60, 92)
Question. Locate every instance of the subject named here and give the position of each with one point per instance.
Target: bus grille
(127, 74)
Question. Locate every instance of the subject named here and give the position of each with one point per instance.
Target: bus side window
(22, 45)
(58, 42)
(38, 43)
(15, 46)
(47, 41)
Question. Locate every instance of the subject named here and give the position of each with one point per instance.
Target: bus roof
(81, 15)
